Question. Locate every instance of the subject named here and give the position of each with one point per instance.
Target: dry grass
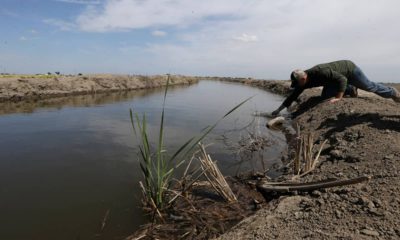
(215, 177)
(27, 76)
(304, 161)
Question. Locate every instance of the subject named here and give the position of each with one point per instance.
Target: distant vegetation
(38, 75)
(6, 75)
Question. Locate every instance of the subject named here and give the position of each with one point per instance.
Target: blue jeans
(359, 80)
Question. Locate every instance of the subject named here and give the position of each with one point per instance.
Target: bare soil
(363, 139)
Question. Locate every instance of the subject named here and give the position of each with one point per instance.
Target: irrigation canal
(65, 163)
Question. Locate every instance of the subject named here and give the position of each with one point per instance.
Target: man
(335, 77)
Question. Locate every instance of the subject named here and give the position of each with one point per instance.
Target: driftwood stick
(289, 187)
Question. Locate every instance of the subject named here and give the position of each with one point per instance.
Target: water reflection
(30, 106)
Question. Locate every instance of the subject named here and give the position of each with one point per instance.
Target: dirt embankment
(16, 88)
(363, 139)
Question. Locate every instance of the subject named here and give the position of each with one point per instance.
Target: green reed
(156, 165)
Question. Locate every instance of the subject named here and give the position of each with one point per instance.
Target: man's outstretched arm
(288, 101)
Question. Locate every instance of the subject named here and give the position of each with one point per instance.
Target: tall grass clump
(156, 164)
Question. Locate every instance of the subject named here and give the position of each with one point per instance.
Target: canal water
(65, 163)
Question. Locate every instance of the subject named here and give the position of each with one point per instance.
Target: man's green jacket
(334, 74)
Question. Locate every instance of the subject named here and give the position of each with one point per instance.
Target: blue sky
(247, 38)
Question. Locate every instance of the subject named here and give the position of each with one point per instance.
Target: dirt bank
(23, 87)
(363, 139)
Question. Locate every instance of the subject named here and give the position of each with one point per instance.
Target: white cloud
(285, 38)
(117, 15)
(158, 33)
(23, 38)
(83, 2)
(62, 25)
(246, 38)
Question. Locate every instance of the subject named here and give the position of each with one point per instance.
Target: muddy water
(65, 163)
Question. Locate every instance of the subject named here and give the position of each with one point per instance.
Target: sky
(239, 38)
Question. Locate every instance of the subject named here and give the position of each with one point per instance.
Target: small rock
(321, 202)
(369, 232)
(376, 212)
(352, 136)
(342, 191)
(353, 159)
(336, 197)
(388, 157)
(325, 196)
(353, 200)
(316, 193)
(377, 202)
(389, 231)
(366, 188)
(363, 201)
(338, 214)
(336, 154)
(371, 205)
(297, 215)
(339, 174)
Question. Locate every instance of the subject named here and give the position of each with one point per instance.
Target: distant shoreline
(16, 88)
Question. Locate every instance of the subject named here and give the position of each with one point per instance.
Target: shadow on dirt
(307, 105)
(340, 122)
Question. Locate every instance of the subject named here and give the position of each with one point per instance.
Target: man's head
(299, 78)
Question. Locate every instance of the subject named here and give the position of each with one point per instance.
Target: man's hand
(333, 100)
(275, 113)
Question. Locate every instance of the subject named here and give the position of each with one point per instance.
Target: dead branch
(289, 187)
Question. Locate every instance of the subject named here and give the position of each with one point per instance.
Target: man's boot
(353, 92)
(396, 96)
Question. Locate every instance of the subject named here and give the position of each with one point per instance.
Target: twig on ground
(289, 187)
